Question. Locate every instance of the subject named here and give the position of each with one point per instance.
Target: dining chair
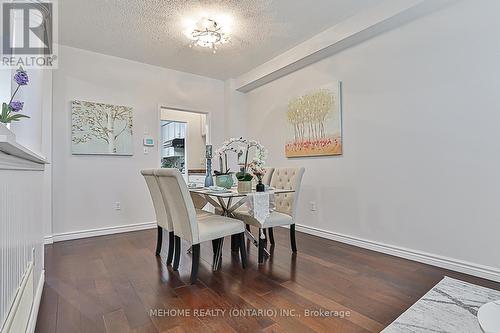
(266, 180)
(163, 219)
(285, 210)
(189, 225)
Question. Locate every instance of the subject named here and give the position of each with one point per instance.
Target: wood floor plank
(324, 302)
(116, 322)
(112, 283)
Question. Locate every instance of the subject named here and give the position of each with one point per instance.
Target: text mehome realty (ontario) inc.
(273, 313)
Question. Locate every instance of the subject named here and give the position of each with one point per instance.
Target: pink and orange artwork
(315, 124)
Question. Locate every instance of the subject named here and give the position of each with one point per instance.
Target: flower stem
(14, 94)
(246, 159)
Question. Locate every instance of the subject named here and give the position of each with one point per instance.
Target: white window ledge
(15, 156)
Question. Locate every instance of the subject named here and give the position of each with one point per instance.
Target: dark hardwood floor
(110, 284)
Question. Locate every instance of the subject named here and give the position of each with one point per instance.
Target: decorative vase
(260, 187)
(244, 186)
(208, 177)
(224, 181)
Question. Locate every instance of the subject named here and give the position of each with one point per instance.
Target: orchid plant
(257, 168)
(10, 111)
(241, 147)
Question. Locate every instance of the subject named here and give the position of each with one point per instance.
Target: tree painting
(99, 128)
(314, 121)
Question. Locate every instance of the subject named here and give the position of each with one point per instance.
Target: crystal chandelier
(207, 33)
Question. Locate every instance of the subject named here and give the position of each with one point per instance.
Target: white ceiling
(151, 31)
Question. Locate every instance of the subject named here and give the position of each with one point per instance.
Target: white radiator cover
(20, 311)
(21, 230)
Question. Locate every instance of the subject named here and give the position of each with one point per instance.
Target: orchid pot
(244, 186)
(225, 181)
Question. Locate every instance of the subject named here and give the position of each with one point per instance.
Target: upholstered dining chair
(162, 217)
(189, 225)
(285, 210)
(266, 180)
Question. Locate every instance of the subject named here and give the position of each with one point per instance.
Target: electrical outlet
(118, 205)
(314, 207)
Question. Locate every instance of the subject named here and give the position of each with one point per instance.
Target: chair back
(162, 217)
(179, 203)
(287, 179)
(266, 180)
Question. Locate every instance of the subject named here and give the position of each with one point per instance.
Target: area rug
(451, 306)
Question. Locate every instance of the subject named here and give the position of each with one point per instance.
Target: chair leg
(170, 254)
(261, 249)
(159, 241)
(177, 252)
(271, 235)
(243, 250)
(248, 227)
(195, 262)
(292, 238)
(215, 243)
(234, 243)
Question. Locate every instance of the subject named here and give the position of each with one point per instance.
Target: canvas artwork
(314, 123)
(99, 128)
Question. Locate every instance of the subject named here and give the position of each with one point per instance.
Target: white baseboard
(48, 239)
(64, 236)
(487, 272)
(36, 304)
(482, 271)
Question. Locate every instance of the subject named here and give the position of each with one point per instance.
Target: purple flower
(21, 77)
(16, 106)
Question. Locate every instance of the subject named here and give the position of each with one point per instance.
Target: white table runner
(260, 205)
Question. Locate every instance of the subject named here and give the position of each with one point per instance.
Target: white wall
(195, 141)
(421, 159)
(234, 110)
(5, 85)
(86, 187)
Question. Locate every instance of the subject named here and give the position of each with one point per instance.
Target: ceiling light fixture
(207, 33)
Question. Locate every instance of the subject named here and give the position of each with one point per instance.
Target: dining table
(227, 202)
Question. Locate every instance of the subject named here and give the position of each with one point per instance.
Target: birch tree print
(314, 122)
(99, 128)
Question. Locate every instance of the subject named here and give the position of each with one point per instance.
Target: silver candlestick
(209, 181)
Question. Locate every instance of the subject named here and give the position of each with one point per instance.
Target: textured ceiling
(151, 31)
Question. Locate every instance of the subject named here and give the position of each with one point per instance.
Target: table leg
(255, 242)
(218, 255)
(227, 210)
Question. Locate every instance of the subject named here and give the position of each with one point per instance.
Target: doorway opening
(183, 137)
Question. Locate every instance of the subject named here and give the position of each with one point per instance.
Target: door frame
(208, 135)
